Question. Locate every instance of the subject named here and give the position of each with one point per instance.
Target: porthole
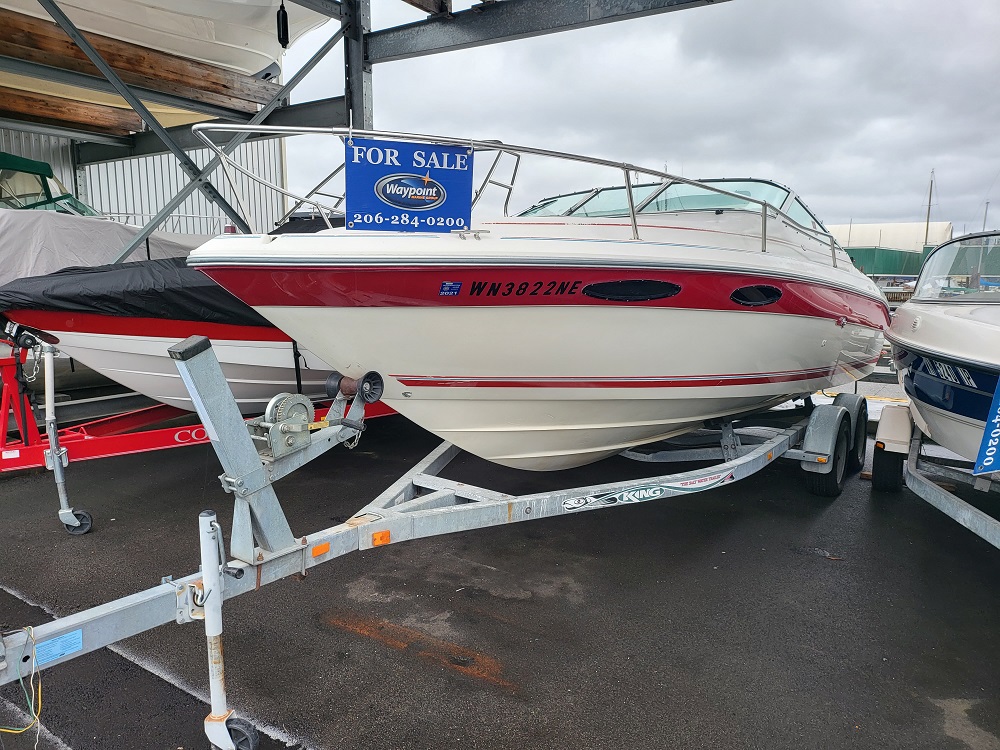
(631, 290)
(757, 295)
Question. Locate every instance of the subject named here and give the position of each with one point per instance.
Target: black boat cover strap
(145, 289)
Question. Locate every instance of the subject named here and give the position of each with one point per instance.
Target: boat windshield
(25, 190)
(966, 270)
(681, 197)
(665, 196)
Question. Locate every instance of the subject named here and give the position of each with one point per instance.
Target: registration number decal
(523, 288)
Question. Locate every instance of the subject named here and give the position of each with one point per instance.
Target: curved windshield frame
(964, 270)
(664, 197)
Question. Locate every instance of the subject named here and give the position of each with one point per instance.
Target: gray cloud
(850, 103)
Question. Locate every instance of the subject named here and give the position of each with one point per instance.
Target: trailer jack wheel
(243, 733)
(887, 470)
(832, 483)
(86, 523)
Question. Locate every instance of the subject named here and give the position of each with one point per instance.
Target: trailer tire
(831, 484)
(86, 523)
(887, 470)
(856, 458)
(243, 733)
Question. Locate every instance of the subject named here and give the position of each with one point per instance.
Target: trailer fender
(852, 402)
(895, 427)
(820, 440)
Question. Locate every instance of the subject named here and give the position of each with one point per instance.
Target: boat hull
(550, 344)
(946, 359)
(257, 362)
(640, 374)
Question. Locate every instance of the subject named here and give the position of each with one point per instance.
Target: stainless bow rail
(498, 149)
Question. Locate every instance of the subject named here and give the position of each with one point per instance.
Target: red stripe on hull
(53, 321)
(686, 381)
(451, 286)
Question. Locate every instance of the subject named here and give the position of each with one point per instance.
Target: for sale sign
(407, 187)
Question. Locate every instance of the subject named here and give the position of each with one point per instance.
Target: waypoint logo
(410, 192)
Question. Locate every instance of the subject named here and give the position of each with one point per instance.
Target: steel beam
(185, 191)
(358, 70)
(324, 7)
(126, 93)
(59, 132)
(507, 20)
(321, 114)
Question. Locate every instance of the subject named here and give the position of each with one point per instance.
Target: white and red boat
(588, 324)
(120, 319)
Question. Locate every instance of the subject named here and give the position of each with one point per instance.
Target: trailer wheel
(86, 523)
(243, 733)
(856, 458)
(887, 470)
(832, 483)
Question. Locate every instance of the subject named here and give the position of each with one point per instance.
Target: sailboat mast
(927, 223)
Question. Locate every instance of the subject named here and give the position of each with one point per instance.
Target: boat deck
(754, 615)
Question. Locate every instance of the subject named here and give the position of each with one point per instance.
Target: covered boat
(946, 341)
(590, 323)
(120, 319)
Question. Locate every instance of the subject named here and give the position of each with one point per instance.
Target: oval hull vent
(631, 290)
(756, 296)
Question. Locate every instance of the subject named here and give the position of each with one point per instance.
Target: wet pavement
(750, 616)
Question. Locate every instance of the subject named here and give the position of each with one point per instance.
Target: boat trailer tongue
(257, 453)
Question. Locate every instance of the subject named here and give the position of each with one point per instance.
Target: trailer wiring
(35, 712)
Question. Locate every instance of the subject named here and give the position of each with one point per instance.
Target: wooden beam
(67, 113)
(43, 43)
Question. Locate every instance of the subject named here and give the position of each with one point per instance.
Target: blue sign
(987, 460)
(407, 187)
(56, 648)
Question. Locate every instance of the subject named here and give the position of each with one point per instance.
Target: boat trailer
(900, 458)
(825, 439)
(124, 434)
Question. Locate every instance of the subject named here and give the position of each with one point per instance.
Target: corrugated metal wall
(56, 151)
(133, 190)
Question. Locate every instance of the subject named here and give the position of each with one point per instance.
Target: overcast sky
(851, 103)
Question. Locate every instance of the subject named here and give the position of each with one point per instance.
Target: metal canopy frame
(488, 22)
(189, 167)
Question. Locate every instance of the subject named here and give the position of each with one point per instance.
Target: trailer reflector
(379, 538)
(320, 549)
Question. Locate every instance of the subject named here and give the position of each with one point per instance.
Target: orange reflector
(379, 538)
(880, 445)
(770, 455)
(821, 459)
(320, 549)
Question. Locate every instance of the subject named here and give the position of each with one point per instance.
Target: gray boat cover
(165, 289)
(33, 243)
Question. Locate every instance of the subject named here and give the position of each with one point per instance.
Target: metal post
(258, 118)
(763, 228)
(631, 204)
(358, 86)
(211, 600)
(126, 93)
(257, 513)
(55, 456)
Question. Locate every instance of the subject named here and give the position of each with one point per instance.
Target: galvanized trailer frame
(420, 504)
(899, 459)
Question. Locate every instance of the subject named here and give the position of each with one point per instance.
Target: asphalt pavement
(750, 616)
